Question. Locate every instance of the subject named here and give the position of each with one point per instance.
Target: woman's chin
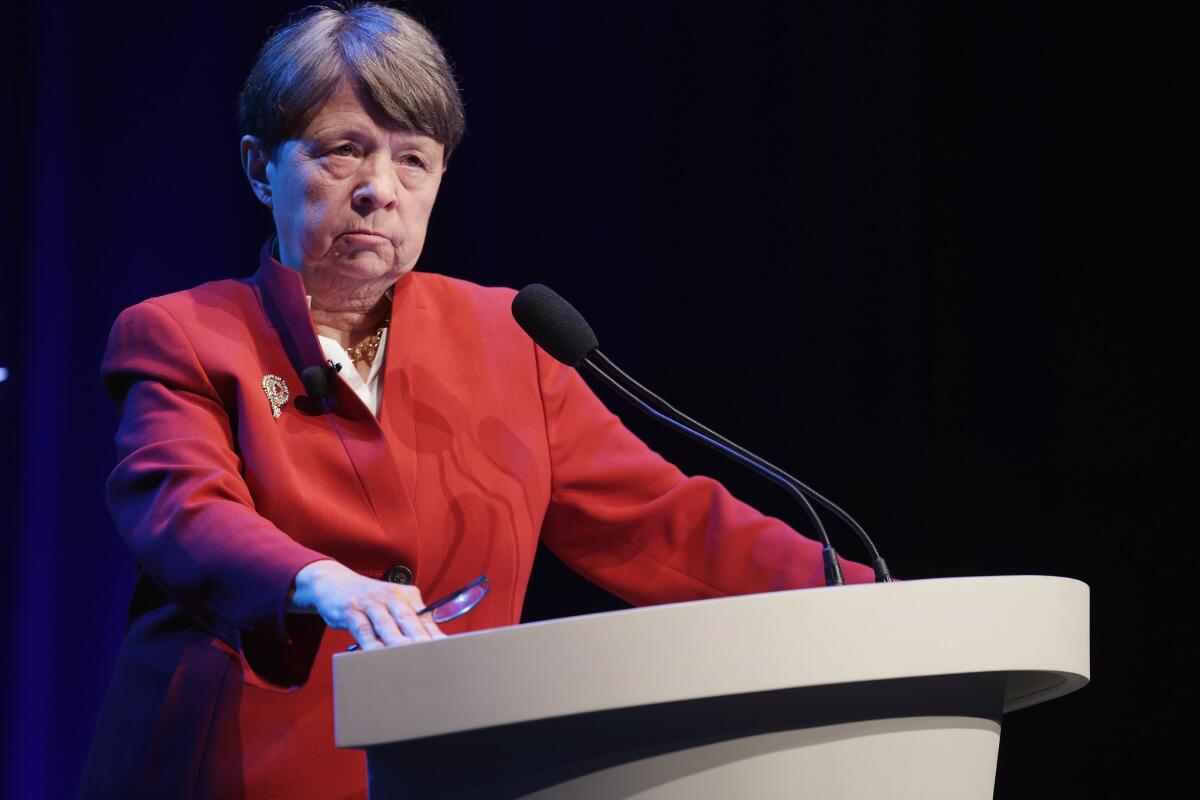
(368, 264)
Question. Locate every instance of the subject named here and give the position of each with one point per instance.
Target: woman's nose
(377, 185)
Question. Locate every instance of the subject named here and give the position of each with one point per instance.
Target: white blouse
(369, 391)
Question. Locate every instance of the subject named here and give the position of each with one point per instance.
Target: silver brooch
(276, 391)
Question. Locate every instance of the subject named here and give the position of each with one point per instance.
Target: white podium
(886, 690)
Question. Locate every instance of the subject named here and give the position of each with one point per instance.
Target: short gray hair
(388, 56)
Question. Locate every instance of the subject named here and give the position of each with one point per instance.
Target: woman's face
(351, 194)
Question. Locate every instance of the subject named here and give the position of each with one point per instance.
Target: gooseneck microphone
(562, 332)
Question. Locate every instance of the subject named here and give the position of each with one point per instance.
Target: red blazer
(483, 445)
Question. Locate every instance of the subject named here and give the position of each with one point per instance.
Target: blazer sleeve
(177, 495)
(630, 521)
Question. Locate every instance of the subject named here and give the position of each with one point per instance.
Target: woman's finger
(360, 627)
(411, 598)
(385, 625)
(426, 620)
(431, 627)
(406, 617)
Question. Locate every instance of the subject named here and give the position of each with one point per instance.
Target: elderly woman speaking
(275, 524)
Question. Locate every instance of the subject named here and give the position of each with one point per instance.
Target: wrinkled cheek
(414, 240)
(315, 234)
(410, 248)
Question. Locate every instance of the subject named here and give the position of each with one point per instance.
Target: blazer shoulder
(474, 316)
(229, 301)
(443, 290)
(204, 321)
(226, 293)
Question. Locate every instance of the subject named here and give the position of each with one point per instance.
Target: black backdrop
(907, 251)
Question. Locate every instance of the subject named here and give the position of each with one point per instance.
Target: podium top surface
(1034, 629)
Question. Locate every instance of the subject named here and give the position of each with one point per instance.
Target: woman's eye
(343, 150)
(413, 161)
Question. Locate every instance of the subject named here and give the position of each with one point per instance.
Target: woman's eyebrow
(410, 140)
(341, 130)
(405, 139)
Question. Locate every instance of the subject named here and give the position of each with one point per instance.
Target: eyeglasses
(455, 604)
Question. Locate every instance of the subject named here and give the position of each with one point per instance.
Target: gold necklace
(366, 349)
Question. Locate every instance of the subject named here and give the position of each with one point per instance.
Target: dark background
(921, 255)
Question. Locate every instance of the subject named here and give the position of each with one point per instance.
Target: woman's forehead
(346, 112)
(345, 104)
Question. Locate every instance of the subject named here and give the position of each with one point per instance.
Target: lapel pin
(276, 391)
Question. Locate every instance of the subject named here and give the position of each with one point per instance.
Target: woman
(274, 528)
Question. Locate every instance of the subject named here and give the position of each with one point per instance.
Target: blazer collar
(281, 292)
(284, 301)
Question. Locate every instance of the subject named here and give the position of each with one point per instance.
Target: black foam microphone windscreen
(554, 324)
(316, 382)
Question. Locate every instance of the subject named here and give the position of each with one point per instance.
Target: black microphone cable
(632, 386)
(556, 326)
(833, 570)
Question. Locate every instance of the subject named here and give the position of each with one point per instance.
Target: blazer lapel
(396, 415)
(388, 487)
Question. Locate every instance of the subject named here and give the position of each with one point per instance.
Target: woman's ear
(254, 164)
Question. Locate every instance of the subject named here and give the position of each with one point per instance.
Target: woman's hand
(377, 613)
